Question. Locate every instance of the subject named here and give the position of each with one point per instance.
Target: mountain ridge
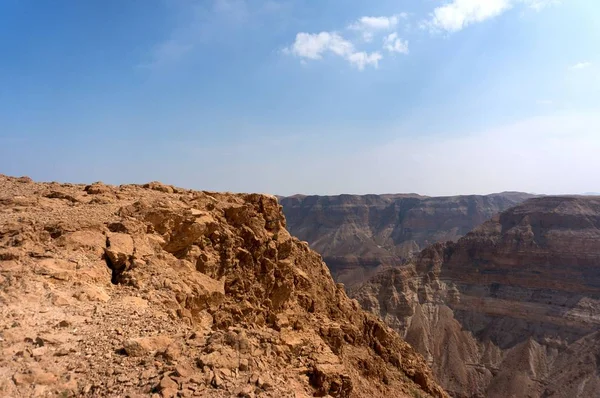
(358, 235)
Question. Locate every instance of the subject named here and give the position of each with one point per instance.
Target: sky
(437, 97)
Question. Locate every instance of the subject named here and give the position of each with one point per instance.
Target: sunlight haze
(328, 97)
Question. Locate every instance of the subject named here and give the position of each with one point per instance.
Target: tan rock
(92, 293)
(144, 346)
(167, 383)
(183, 371)
(119, 249)
(86, 239)
(55, 268)
(98, 188)
(225, 357)
(159, 186)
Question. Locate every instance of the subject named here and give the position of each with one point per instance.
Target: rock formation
(359, 236)
(141, 290)
(510, 310)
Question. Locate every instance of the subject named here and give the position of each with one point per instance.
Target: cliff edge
(142, 290)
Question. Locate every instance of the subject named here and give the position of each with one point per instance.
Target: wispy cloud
(539, 4)
(581, 65)
(394, 44)
(167, 52)
(196, 21)
(369, 26)
(314, 46)
(458, 14)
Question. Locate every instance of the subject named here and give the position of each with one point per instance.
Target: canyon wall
(359, 236)
(510, 310)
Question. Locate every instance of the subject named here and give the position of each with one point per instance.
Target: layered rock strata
(359, 236)
(510, 310)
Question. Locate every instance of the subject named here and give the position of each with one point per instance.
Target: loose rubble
(137, 291)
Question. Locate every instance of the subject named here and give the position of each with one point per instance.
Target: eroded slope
(511, 309)
(133, 291)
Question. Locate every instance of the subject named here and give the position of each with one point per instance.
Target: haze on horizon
(291, 96)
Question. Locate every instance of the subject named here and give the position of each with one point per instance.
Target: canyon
(512, 309)
(153, 290)
(360, 235)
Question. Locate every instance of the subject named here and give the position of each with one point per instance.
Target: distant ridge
(359, 235)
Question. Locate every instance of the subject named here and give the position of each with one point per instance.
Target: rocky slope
(358, 236)
(137, 291)
(510, 310)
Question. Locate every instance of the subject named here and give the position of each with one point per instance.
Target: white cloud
(539, 4)
(458, 14)
(314, 46)
(581, 65)
(371, 25)
(362, 59)
(393, 43)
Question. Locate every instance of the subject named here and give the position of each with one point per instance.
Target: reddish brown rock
(510, 308)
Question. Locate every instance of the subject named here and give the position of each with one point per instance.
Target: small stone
(60, 301)
(217, 381)
(197, 379)
(38, 352)
(183, 371)
(21, 379)
(44, 378)
(145, 345)
(172, 353)
(148, 374)
(64, 324)
(39, 391)
(244, 364)
(61, 352)
(246, 391)
(254, 378)
(167, 383)
(168, 393)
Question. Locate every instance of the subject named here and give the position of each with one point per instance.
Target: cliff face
(131, 290)
(361, 235)
(511, 309)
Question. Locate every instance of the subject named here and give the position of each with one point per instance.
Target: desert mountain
(131, 291)
(360, 235)
(510, 310)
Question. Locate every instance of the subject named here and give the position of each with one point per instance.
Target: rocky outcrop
(141, 290)
(511, 309)
(359, 236)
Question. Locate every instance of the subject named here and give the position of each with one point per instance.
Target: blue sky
(325, 97)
